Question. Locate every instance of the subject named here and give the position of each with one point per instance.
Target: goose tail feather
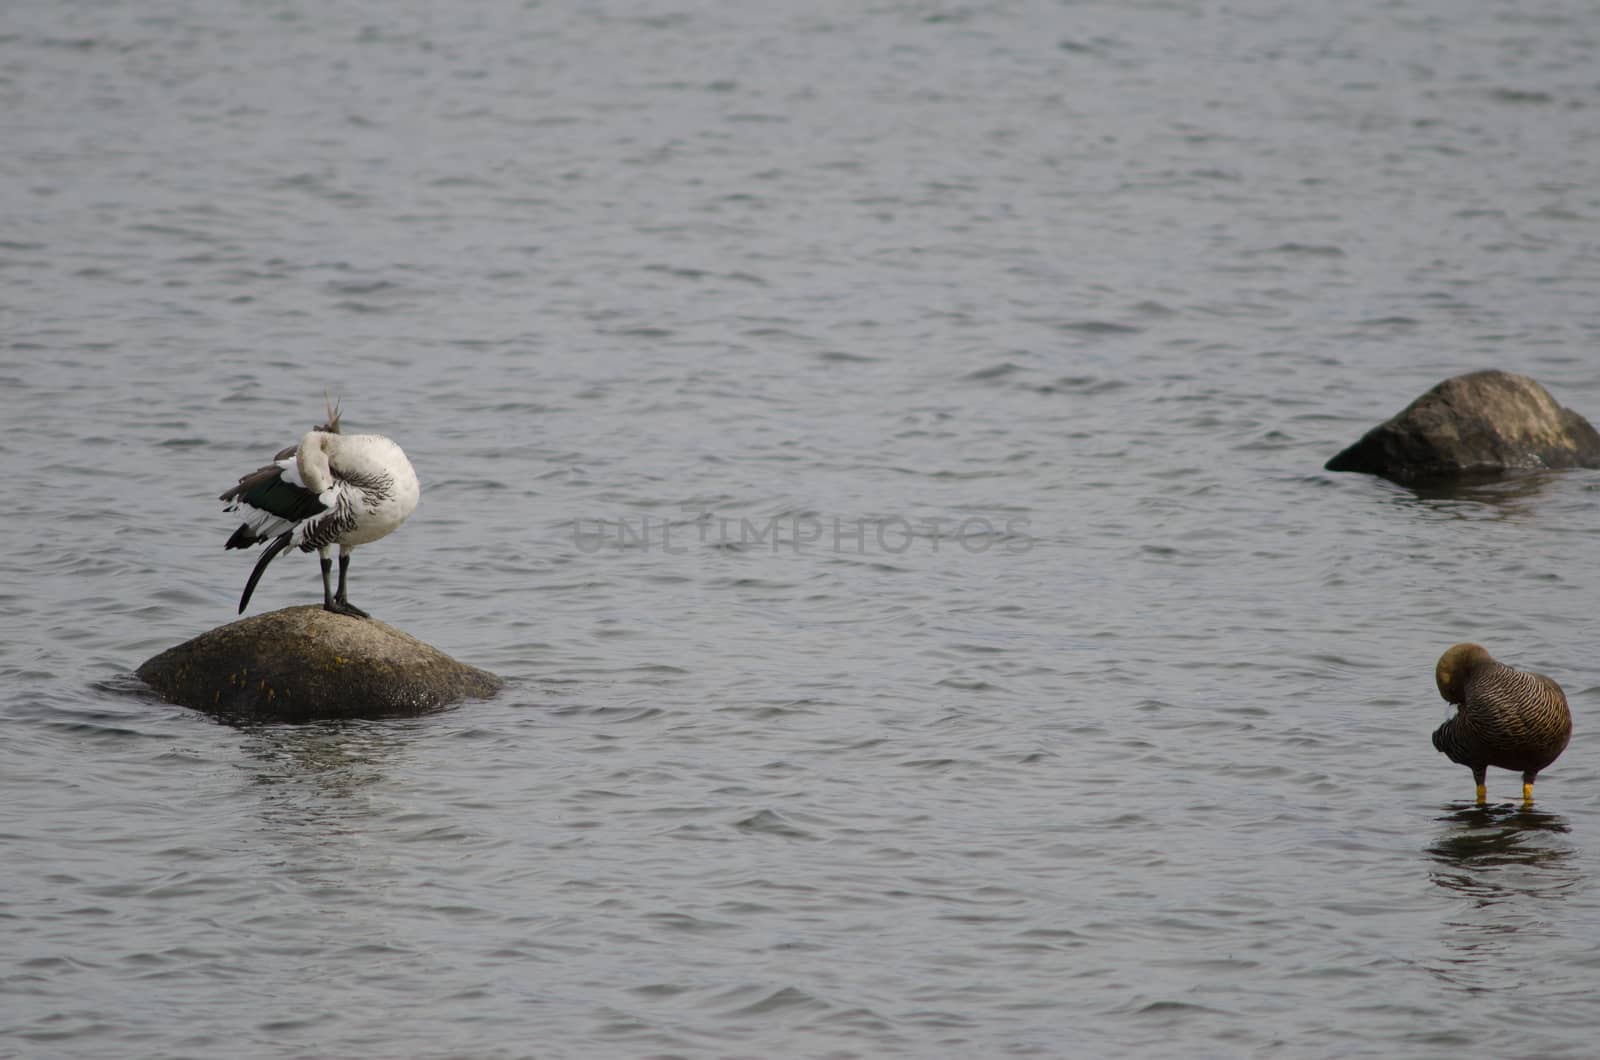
(279, 543)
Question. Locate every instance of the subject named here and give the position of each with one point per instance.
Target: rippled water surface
(881, 446)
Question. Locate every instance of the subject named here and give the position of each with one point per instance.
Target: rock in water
(1481, 423)
(308, 664)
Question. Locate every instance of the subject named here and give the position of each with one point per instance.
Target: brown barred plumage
(1506, 718)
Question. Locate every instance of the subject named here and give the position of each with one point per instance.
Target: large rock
(1477, 424)
(308, 664)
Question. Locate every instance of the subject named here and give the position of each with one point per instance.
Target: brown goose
(1506, 718)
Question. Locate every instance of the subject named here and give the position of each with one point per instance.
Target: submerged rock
(1481, 423)
(307, 664)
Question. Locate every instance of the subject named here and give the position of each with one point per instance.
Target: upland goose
(1506, 718)
(331, 489)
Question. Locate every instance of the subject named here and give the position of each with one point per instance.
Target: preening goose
(1505, 717)
(331, 489)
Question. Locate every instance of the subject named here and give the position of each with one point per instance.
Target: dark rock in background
(1482, 423)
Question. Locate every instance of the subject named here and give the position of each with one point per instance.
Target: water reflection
(1506, 862)
(313, 777)
(1485, 850)
(1500, 495)
(338, 756)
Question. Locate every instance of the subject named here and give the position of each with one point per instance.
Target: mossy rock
(307, 664)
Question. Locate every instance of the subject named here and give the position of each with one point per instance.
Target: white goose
(331, 489)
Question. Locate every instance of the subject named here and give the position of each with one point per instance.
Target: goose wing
(274, 499)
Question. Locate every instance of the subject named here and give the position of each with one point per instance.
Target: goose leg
(339, 598)
(327, 580)
(1527, 788)
(332, 601)
(1478, 776)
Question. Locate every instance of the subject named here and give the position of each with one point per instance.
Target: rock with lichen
(307, 664)
(1478, 424)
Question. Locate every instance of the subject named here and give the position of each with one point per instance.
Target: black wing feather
(265, 490)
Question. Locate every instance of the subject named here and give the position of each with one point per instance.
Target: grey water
(880, 444)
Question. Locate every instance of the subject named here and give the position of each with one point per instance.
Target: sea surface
(880, 444)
